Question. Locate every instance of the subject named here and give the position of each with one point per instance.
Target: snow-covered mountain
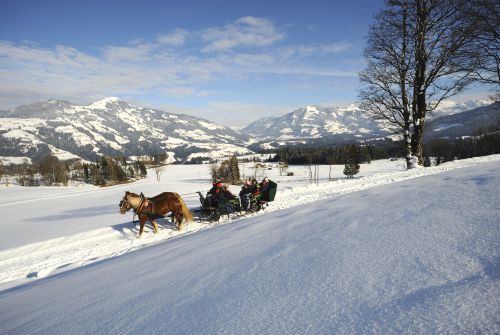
(111, 126)
(466, 123)
(114, 127)
(313, 122)
(348, 124)
(449, 107)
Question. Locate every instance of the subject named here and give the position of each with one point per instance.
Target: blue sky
(228, 61)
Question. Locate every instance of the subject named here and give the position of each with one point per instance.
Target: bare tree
(283, 166)
(159, 170)
(441, 43)
(484, 19)
(416, 54)
(386, 80)
(330, 161)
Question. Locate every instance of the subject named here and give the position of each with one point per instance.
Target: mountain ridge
(111, 126)
(343, 124)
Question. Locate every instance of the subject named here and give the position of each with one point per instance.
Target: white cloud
(241, 114)
(176, 38)
(180, 92)
(228, 113)
(245, 32)
(303, 51)
(135, 53)
(154, 68)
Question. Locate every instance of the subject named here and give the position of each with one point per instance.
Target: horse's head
(125, 204)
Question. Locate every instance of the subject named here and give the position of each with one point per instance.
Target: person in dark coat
(227, 192)
(215, 193)
(255, 188)
(245, 193)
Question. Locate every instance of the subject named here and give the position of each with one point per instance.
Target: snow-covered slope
(450, 107)
(417, 256)
(465, 123)
(114, 127)
(111, 126)
(349, 124)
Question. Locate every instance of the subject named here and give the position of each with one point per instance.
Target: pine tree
(351, 168)
(142, 169)
(235, 170)
(86, 173)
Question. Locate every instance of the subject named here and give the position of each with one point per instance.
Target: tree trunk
(404, 95)
(419, 104)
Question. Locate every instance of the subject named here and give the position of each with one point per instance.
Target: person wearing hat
(216, 187)
(216, 192)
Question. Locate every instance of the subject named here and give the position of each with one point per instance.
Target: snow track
(44, 258)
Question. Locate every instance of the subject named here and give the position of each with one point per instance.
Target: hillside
(352, 124)
(312, 122)
(111, 127)
(466, 123)
(114, 127)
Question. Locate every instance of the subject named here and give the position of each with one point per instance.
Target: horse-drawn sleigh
(212, 206)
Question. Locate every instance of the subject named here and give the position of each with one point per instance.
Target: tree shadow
(79, 212)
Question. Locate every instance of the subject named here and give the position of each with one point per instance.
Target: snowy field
(386, 252)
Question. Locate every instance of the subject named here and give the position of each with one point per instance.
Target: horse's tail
(186, 213)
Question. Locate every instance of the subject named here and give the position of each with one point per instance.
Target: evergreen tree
(86, 173)
(351, 168)
(235, 170)
(228, 170)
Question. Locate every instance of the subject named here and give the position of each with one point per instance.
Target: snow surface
(6, 160)
(357, 258)
(101, 125)
(453, 125)
(102, 104)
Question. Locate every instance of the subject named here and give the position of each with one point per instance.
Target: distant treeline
(448, 150)
(442, 150)
(108, 170)
(336, 154)
(104, 171)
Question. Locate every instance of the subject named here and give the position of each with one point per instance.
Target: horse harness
(146, 204)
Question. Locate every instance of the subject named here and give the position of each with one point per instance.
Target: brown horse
(155, 207)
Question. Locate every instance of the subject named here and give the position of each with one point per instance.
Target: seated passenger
(264, 189)
(264, 185)
(216, 187)
(215, 193)
(255, 188)
(245, 193)
(227, 193)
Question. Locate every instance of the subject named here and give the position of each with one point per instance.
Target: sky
(231, 62)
